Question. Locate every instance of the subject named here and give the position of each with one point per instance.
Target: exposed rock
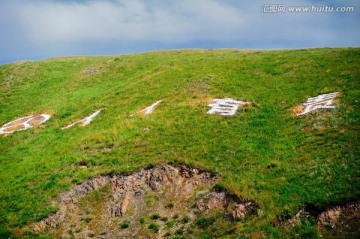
(341, 221)
(330, 217)
(296, 220)
(124, 204)
(214, 200)
(235, 208)
(333, 216)
(137, 195)
(241, 211)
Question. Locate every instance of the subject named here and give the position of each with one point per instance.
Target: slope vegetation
(265, 153)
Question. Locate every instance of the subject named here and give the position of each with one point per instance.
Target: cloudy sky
(37, 29)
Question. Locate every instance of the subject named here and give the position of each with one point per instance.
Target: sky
(39, 29)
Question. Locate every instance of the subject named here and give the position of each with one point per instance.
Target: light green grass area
(264, 153)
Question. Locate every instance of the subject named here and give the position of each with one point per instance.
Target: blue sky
(37, 29)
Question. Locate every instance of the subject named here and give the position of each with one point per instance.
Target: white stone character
(150, 109)
(225, 106)
(84, 121)
(324, 101)
(24, 123)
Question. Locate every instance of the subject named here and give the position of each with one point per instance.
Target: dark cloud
(48, 28)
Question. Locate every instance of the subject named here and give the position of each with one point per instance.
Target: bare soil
(340, 221)
(150, 203)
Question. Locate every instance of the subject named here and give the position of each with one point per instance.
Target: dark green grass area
(263, 153)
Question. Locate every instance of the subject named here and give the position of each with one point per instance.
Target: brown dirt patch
(14, 127)
(161, 194)
(20, 121)
(36, 120)
(297, 110)
(340, 221)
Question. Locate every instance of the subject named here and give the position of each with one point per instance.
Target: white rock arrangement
(85, 121)
(24, 123)
(324, 101)
(150, 109)
(225, 106)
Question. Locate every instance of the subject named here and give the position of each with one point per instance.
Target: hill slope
(263, 153)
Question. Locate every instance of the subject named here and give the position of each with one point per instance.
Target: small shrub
(86, 219)
(5, 233)
(124, 224)
(219, 188)
(154, 227)
(155, 216)
(170, 224)
(164, 219)
(185, 219)
(142, 220)
(203, 222)
(206, 236)
(230, 231)
(169, 205)
(179, 231)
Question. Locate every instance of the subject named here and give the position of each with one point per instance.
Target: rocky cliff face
(150, 203)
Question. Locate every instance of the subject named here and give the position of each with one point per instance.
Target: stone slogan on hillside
(224, 107)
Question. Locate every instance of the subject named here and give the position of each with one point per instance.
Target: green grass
(263, 153)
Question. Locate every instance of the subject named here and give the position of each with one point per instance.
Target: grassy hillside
(264, 153)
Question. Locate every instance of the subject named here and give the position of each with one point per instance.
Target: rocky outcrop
(241, 210)
(215, 201)
(127, 187)
(336, 215)
(339, 221)
(142, 193)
